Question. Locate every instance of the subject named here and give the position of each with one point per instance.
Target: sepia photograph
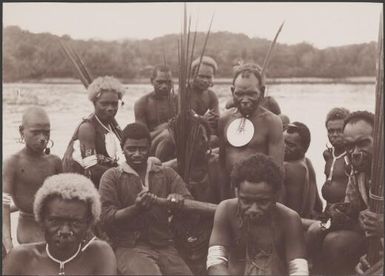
(192, 138)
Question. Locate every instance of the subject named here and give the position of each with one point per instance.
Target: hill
(35, 56)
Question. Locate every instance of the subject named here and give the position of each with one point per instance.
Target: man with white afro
(95, 145)
(66, 206)
(68, 186)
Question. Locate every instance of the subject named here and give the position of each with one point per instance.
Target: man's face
(359, 145)
(162, 83)
(204, 77)
(293, 146)
(256, 200)
(136, 152)
(106, 106)
(335, 132)
(36, 132)
(247, 93)
(65, 222)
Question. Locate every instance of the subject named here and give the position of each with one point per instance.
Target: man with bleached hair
(66, 206)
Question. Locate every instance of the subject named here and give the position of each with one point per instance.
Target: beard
(247, 111)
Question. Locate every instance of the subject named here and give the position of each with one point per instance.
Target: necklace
(334, 161)
(62, 263)
(103, 125)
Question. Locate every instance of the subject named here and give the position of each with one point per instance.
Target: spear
(267, 58)
(376, 192)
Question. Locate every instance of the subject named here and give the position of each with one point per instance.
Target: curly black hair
(135, 131)
(159, 68)
(356, 116)
(252, 68)
(337, 113)
(257, 168)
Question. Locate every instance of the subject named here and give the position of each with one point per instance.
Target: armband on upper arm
(217, 254)
(298, 266)
(90, 158)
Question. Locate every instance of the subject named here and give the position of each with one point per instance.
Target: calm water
(66, 104)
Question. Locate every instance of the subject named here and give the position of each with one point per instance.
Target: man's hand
(363, 265)
(175, 201)
(372, 223)
(144, 200)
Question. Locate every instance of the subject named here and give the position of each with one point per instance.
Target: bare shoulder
(296, 166)
(142, 100)
(226, 116)
(86, 127)
(212, 94)
(99, 248)
(12, 160)
(53, 158)
(287, 216)
(271, 117)
(227, 205)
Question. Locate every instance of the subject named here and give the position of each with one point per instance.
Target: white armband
(89, 161)
(217, 255)
(298, 267)
(7, 199)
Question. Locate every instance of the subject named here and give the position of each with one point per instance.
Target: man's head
(258, 180)
(161, 80)
(203, 74)
(334, 124)
(248, 88)
(297, 140)
(135, 142)
(35, 129)
(105, 93)
(66, 206)
(358, 137)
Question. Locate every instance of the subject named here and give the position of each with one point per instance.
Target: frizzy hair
(257, 168)
(67, 186)
(252, 68)
(356, 116)
(102, 84)
(337, 113)
(135, 131)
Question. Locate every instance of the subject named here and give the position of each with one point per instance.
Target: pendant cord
(334, 161)
(103, 125)
(62, 263)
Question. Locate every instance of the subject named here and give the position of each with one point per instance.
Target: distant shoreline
(350, 80)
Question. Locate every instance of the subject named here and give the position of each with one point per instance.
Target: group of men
(113, 213)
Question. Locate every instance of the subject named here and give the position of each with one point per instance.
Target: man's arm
(140, 111)
(104, 258)
(217, 259)
(111, 212)
(295, 177)
(275, 141)
(86, 136)
(295, 244)
(8, 183)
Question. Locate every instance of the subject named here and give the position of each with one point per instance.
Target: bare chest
(200, 103)
(159, 111)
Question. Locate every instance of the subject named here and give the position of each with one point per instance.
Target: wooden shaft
(191, 205)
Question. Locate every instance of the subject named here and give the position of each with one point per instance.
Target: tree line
(34, 56)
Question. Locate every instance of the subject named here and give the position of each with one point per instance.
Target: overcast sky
(321, 24)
